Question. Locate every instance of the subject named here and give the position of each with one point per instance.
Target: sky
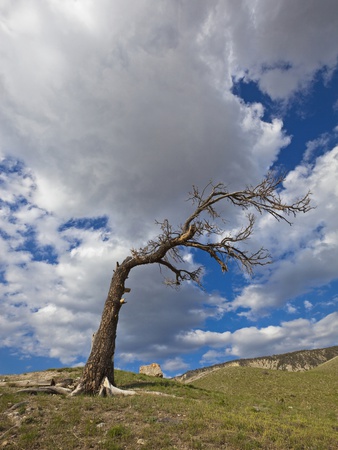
(109, 113)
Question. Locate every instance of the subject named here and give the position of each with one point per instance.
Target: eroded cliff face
(276, 364)
(293, 362)
(298, 361)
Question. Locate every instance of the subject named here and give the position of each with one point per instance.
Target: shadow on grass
(141, 383)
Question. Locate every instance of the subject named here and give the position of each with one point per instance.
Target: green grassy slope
(329, 366)
(289, 407)
(235, 408)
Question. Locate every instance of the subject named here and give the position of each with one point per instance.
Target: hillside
(233, 408)
(328, 366)
(297, 361)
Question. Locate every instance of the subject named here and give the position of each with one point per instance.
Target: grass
(232, 408)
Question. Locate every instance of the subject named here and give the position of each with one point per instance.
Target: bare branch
(206, 222)
(181, 274)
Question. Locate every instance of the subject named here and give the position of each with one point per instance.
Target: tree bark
(100, 363)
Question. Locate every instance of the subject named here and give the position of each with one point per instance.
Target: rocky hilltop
(298, 361)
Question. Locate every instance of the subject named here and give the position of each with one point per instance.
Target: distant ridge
(297, 361)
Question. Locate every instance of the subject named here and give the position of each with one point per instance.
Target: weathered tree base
(106, 390)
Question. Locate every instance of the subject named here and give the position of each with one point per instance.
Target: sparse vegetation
(231, 408)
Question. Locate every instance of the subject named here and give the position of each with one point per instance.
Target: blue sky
(109, 113)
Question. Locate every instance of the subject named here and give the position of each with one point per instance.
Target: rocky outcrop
(298, 361)
(153, 370)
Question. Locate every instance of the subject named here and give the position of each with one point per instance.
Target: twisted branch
(207, 222)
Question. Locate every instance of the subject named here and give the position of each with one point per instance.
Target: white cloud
(251, 342)
(116, 109)
(54, 308)
(290, 308)
(175, 364)
(213, 357)
(278, 46)
(311, 245)
(312, 146)
(199, 338)
(308, 305)
(91, 117)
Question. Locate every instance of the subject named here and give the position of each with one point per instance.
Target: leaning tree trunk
(100, 362)
(99, 370)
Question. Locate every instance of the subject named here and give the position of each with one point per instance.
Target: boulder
(153, 370)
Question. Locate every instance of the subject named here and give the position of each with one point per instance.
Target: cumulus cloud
(114, 109)
(90, 116)
(278, 46)
(320, 143)
(174, 365)
(308, 305)
(252, 341)
(290, 308)
(310, 241)
(63, 298)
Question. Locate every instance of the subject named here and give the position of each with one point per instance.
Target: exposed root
(108, 390)
(78, 390)
(47, 390)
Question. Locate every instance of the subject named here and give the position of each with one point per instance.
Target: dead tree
(203, 230)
